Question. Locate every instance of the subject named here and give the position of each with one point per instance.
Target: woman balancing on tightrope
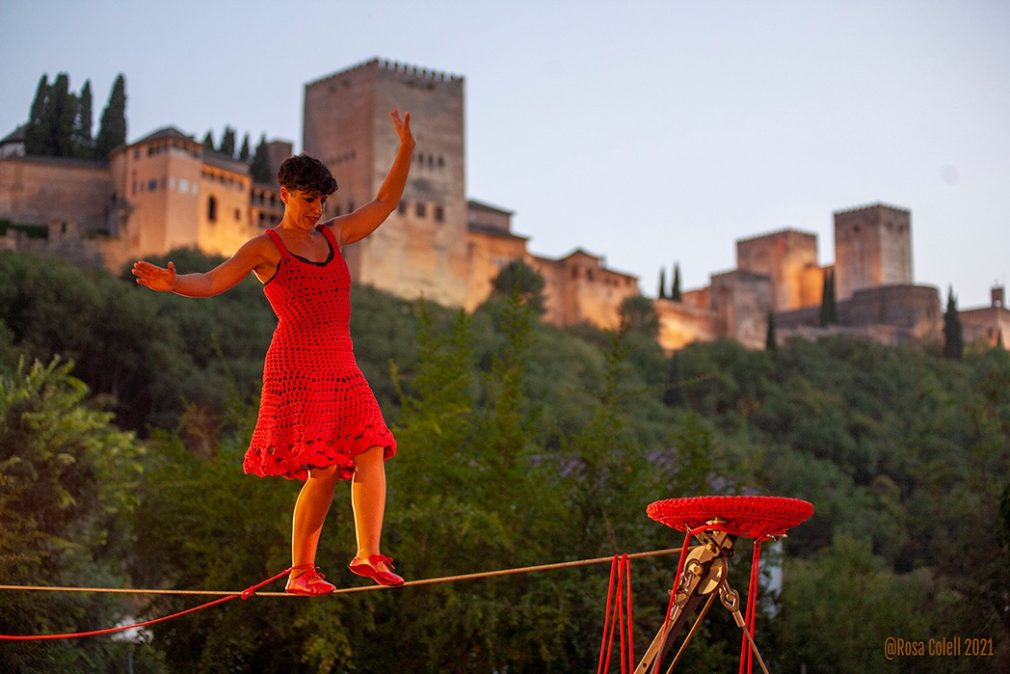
(318, 418)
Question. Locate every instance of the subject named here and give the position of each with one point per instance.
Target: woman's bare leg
(310, 512)
(368, 498)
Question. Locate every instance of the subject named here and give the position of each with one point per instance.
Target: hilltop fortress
(165, 191)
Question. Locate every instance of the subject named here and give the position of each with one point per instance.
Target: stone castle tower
(422, 247)
(873, 247)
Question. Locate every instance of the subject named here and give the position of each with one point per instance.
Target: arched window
(212, 208)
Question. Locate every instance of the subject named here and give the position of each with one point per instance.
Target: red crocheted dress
(316, 410)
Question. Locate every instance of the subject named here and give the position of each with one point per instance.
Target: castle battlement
(388, 66)
(870, 207)
(788, 231)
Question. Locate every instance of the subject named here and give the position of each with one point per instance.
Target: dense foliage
(519, 444)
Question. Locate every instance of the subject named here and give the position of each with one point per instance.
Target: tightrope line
(345, 590)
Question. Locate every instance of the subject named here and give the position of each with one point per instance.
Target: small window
(350, 206)
(439, 214)
(212, 208)
(238, 215)
(441, 161)
(419, 209)
(152, 185)
(401, 208)
(136, 153)
(183, 185)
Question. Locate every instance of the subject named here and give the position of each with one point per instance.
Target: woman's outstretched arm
(363, 221)
(250, 256)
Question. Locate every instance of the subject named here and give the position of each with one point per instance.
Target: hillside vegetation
(124, 416)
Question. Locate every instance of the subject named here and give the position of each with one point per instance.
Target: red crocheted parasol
(748, 516)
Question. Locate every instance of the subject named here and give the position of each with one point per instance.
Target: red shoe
(369, 569)
(308, 583)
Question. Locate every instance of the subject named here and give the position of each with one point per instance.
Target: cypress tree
(260, 168)
(112, 130)
(83, 146)
(771, 340)
(243, 154)
(36, 135)
(208, 141)
(673, 396)
(662, 283)
(953, 335)
(60, 116)
(675, 293)
(228, 142)
(829, 308)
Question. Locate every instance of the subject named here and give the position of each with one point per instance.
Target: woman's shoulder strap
(327, 231)
(276, 238)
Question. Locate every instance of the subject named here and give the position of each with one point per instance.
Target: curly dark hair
(307, 174)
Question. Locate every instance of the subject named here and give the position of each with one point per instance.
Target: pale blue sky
(649, 132)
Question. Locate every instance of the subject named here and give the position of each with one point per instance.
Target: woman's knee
(327, 474)
(370, 456)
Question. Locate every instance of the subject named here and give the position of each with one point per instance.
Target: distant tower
(873, 247)
(789, 258)
(422, 247)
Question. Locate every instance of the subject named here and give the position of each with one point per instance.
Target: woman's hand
(154, 277)
(402, 127)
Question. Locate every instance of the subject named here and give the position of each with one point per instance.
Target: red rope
(750, 618)
(618, 615)
(631, 616)
(604, 664)
(244, 594)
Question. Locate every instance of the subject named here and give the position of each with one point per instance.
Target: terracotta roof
(164, 132)
(224, 161)
(15, 136)
(473, 203)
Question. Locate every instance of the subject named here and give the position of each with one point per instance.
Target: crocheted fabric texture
(316, 409)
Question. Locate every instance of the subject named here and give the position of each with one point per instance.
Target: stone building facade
(165, 191)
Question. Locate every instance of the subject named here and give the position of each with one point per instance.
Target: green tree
(67, 484)
(37, 138)
(112, 127)
(771, 340)
(208, 141)
(61, 113)
(260, 166)
(638, 313)
(662, 283)
(829, 309)
(227, 145)
(82, 141)
(243, 154)
(675, 293)
(953, 334)
(518, 278)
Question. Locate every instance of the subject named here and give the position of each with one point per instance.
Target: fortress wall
(915, 309)
(39, 190)
(488, 255)
(681, 324)
(986, 326)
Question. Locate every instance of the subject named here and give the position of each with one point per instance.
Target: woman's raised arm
(363, 221)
